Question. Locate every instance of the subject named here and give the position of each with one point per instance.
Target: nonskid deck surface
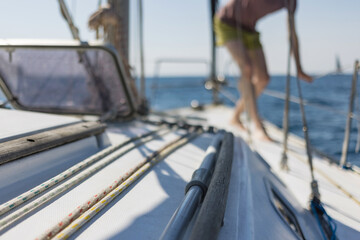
(339, 188)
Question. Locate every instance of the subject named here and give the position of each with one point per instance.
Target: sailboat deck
(339, 188)
(143, 209)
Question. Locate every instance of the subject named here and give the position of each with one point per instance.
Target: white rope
(86, 216)
(18, 214)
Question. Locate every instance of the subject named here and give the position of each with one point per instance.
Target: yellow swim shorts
(225, 33)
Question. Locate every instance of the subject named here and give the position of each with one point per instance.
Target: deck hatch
(283, 207)
(286, 214)
(75, 79)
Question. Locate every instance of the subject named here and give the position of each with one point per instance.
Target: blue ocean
(327, 101)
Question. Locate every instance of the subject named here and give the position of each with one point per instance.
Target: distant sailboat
(338, 65)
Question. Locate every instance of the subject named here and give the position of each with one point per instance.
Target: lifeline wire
(357, 147)
(328, 178)
(157, 156)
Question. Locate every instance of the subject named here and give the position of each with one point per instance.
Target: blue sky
(180, 29)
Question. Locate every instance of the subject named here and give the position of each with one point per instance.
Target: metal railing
(162, 61)
(350, 114)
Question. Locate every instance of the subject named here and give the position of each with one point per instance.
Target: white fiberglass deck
(339, 188)
(143, 210)
(18, 123)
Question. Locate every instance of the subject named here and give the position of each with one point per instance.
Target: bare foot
(237, 123)
(305, 77)
(262, 135)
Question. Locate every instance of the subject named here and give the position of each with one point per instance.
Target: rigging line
(347, 133)
(20, 213)
(328, 178)
(213, 76)
(95, 198)
(280, 95)
(357, 107)
(141, 50)
(306, 134)
(135, 174)
(314, 207)
(101, 88)
(315, 195)
(11, 204)
(299, 157)
(284, 158)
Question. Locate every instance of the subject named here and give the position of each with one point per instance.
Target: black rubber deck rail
(25, 146)
(209, 184)
(194, 192)
(211, 215)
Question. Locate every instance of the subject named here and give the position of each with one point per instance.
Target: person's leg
(238, 52)
(241, 57)
(247, 60)
(260, 76)
(260, 79)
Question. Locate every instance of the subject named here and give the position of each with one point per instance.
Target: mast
(114, 19)
(118, 34)
(213, 77)
(338, 65)
(141, 43)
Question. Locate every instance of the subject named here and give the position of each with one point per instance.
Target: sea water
(326, 121)
(327, 101)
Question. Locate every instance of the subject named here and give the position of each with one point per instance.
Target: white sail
(338, 65)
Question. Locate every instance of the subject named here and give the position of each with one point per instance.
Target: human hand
(305, 77)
